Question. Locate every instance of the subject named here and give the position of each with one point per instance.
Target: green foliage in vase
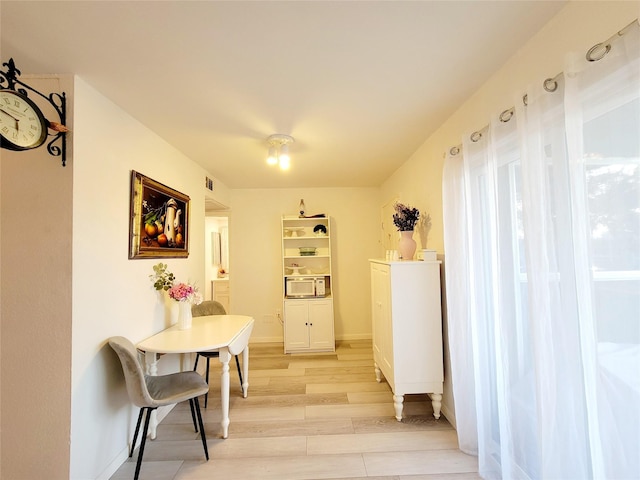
(162, 278)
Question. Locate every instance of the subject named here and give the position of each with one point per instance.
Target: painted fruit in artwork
(163, 241)
(150, 229)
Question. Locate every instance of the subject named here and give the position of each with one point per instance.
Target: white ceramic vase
(184, 315)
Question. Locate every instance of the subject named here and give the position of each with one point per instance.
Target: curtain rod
(595, 53)
(605, 46)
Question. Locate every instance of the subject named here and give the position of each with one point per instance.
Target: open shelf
(308, 311)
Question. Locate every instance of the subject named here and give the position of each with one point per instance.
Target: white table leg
(186, 363)
(151, 361)
(245, 371)
(224, 358)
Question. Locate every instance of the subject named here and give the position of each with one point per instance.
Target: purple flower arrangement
(406, 217)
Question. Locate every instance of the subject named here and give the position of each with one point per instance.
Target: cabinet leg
(436, 402)
(378, 372)
(398, 401)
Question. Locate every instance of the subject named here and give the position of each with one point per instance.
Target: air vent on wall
(208, 183)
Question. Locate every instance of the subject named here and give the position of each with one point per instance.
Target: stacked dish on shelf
(292, 232)
(295, 269)
(307, 251)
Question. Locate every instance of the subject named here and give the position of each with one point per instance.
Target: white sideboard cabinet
(220, 292)
(407, 329)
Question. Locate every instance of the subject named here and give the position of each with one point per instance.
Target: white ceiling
(359, 84)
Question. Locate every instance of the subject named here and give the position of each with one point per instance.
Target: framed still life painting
(159, 220)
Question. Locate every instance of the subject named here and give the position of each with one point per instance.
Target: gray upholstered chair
(211, 307)
(150, 392)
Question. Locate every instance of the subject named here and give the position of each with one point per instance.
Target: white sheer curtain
(455, 239)
(542, 213)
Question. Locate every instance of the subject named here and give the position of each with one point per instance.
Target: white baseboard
(117, 462)
(123, 455)
(266, 340)
(449, 415)
(355, 336)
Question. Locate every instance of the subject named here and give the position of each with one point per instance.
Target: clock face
(22, 125)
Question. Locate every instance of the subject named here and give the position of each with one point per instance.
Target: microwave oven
(305, 287)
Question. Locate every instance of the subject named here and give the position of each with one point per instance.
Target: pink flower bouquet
(183, 292)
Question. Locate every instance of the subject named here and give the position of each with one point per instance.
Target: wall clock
(22, 124)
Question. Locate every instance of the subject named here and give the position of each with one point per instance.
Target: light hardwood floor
(307, 417)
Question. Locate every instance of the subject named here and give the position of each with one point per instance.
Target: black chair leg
(202, 434)
(135, 435)
(239, 374)
(195, 364)
(143, 441)
(195, 367)
(193, 414)
(206, 395)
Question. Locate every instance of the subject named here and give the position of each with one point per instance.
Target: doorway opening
(217, 268)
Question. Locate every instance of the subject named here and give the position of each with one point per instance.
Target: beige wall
(112, 295)
(67, 285)
(0, 315)
(35, 309)
(256, 268)
(575, 29)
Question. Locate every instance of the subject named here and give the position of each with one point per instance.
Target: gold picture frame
(159, 220)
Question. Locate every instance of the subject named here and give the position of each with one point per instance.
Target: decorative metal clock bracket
(57, 146)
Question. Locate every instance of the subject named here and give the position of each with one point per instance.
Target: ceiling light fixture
(279, 150)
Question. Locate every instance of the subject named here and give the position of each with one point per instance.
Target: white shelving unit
(308, 320)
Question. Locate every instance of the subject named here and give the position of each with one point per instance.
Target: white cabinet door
(382, 325)
(321, 325)
(296, 325)
(220, 293)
